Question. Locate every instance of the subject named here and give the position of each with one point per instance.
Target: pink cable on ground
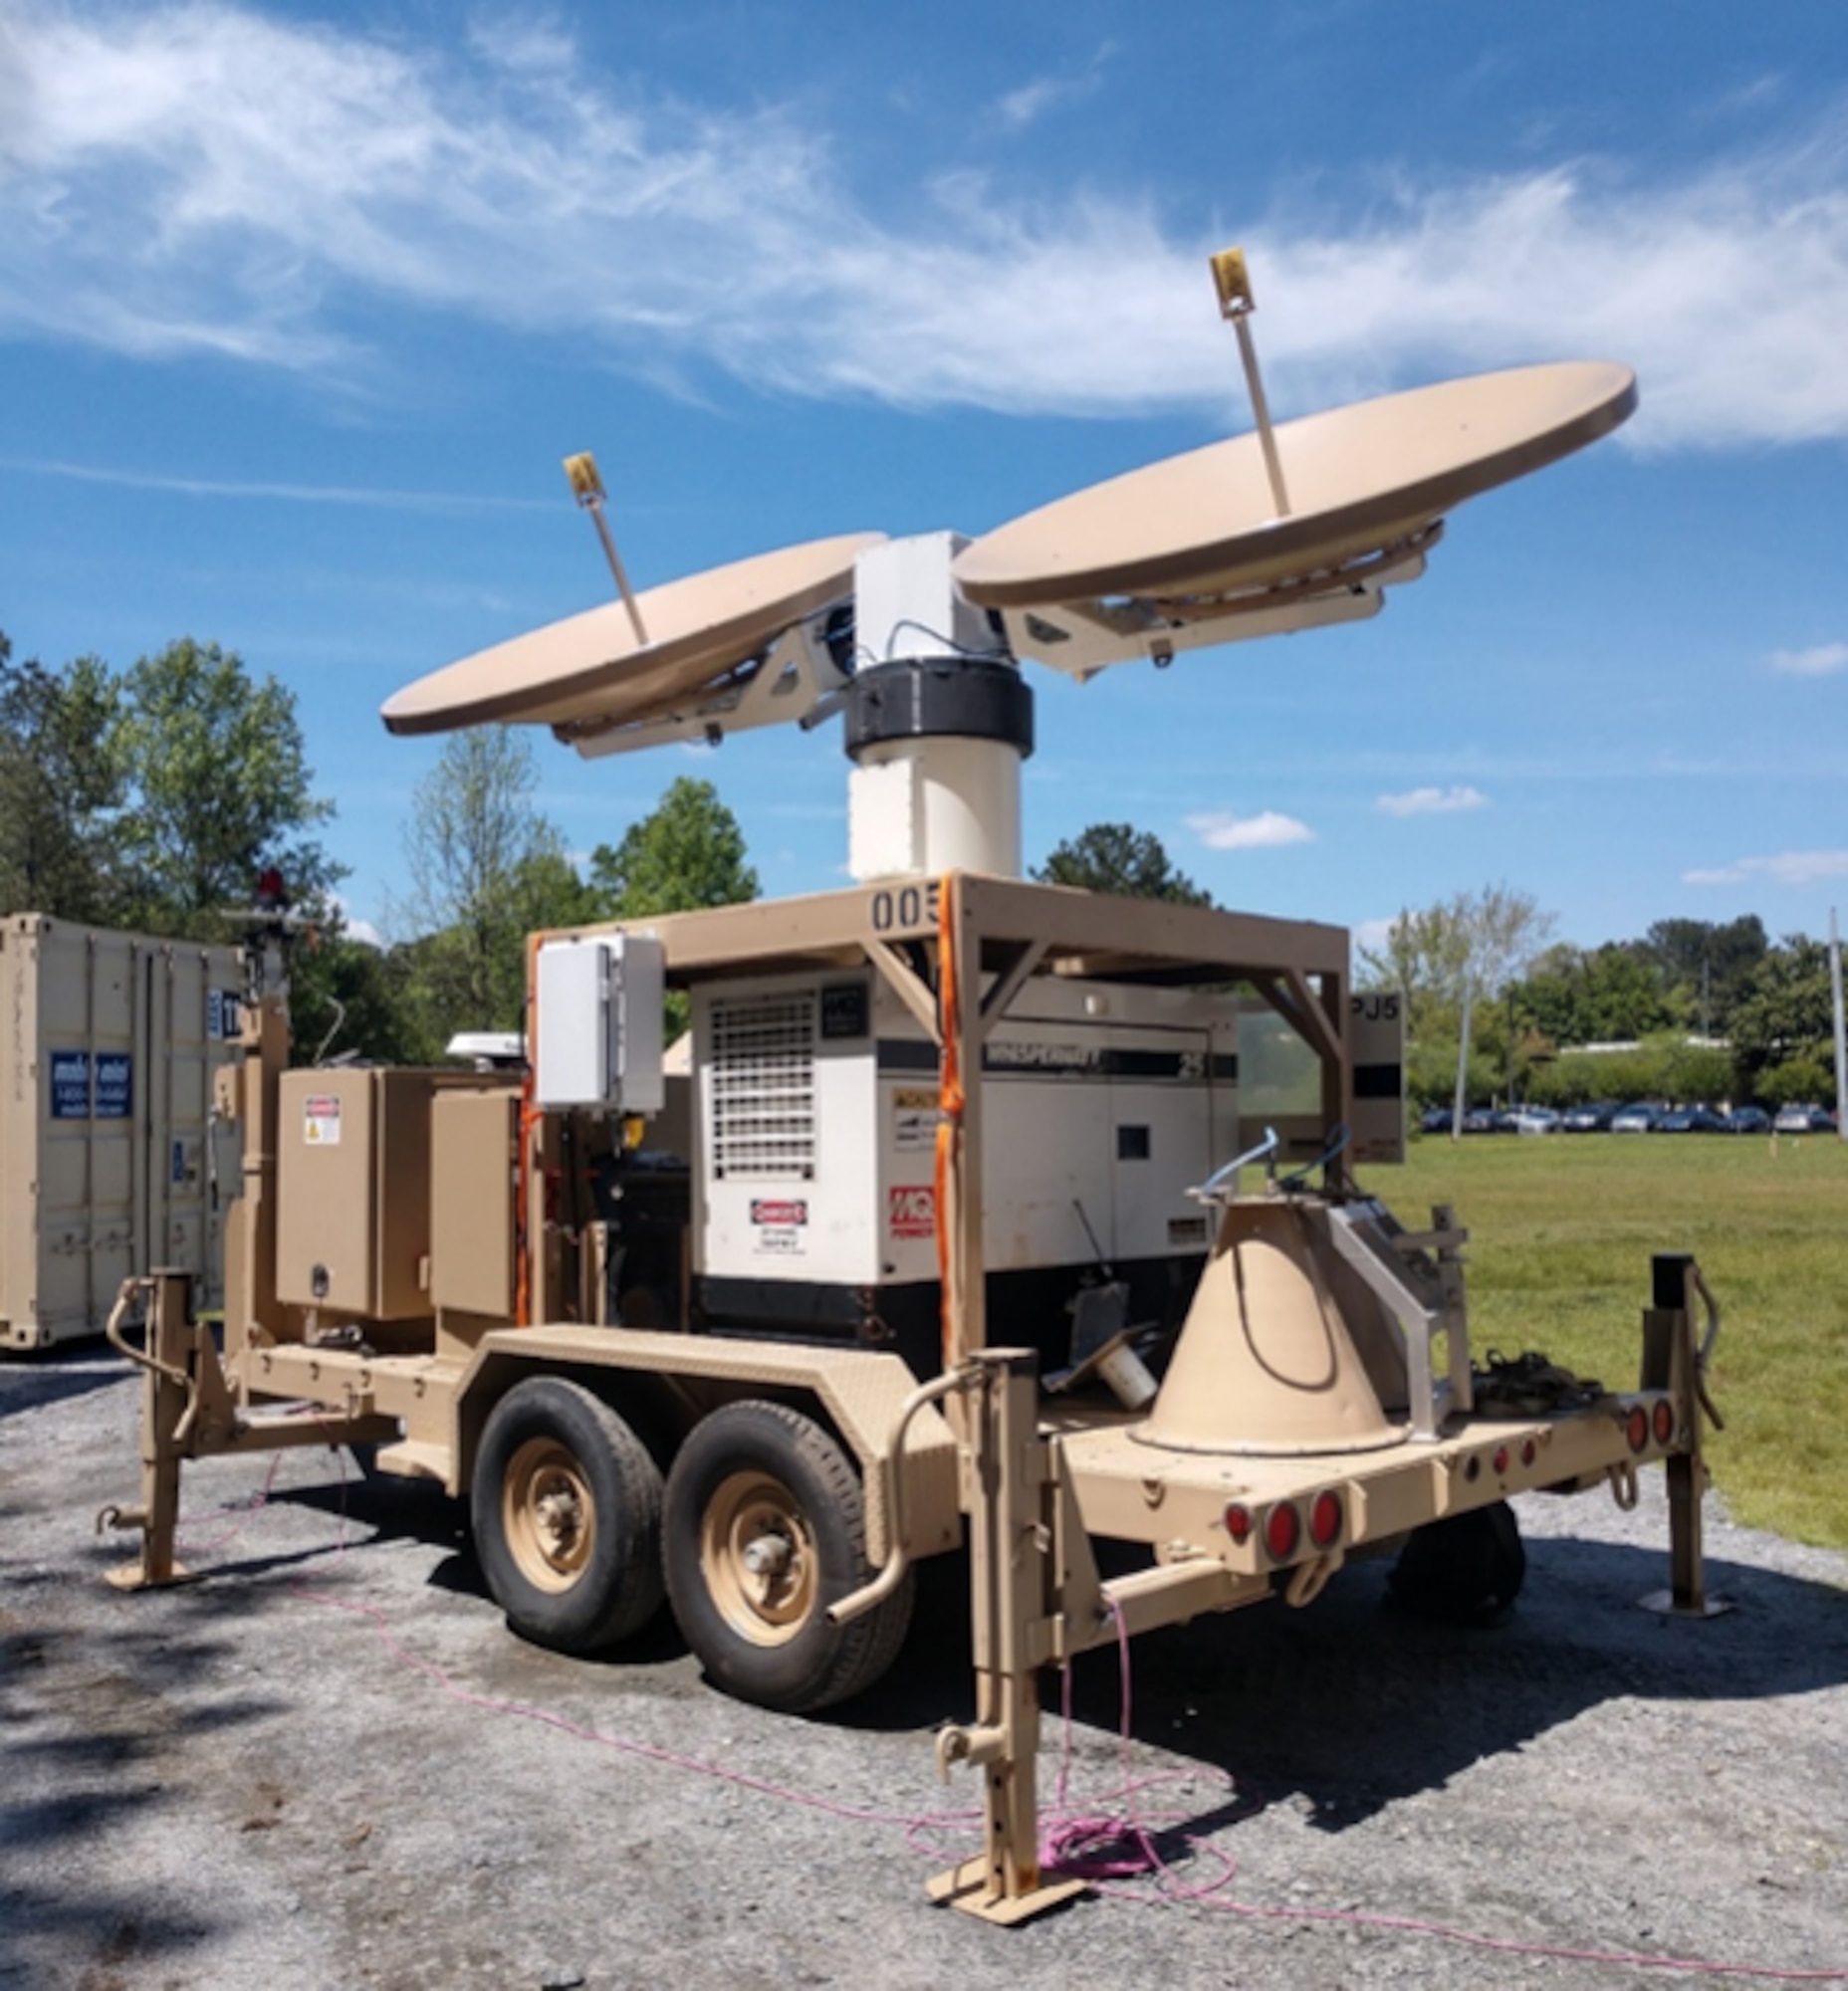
(1105, 1849)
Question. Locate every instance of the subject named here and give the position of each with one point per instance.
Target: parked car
(1484, 1120)
(1638, 1118)
(1748, 1120)
(1534, 1120)
(1691, 1120)
(1802, 1120)
(1437, 1119)
(1594, 1117)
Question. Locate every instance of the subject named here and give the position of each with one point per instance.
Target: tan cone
(1265, 1363)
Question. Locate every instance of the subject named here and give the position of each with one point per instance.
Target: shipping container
(111, 1163)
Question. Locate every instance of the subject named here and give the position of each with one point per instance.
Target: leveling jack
(188, 1411)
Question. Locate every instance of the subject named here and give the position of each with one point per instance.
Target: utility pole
(1841, 1038)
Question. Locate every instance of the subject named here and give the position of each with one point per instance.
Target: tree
(486, 869)
(1704, 967)
(1604, 994)
(62, 786)
(219, 789)
(1784, 1017)
(688, 854)
(1116, 857)
(1447, 957)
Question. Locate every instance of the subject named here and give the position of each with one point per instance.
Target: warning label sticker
(321, 1120)
(914, 1119)
(780, 1222)
(913, 1211)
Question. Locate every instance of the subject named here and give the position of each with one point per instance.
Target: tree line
(1710, 1010)
(154, 798)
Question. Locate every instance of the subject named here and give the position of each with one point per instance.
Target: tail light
(1325, 1520)
(1529, 1452)
(1638, 1430)
(1238, 1523)
(1665, 1421)
(1283, 1531)
(1501, 1460)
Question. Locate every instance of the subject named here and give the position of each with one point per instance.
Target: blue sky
(300, 306)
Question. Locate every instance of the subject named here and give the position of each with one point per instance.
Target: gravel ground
(246, 1782)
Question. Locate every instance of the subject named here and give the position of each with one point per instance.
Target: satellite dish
(711, 641)
(1200, 536)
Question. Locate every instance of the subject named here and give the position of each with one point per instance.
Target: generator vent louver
(763, 1086)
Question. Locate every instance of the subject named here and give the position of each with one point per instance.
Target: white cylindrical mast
(938, 722)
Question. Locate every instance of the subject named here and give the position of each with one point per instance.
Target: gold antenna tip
(586, 484)
(1233, 281)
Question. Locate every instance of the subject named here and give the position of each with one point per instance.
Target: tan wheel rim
(547, 1513)
(759, 1558)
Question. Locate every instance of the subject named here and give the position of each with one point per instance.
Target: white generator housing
(815, 1119)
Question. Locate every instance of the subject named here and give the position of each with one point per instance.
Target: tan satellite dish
(1365, 485)
(592, 670)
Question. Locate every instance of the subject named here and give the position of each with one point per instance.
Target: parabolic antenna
(1200, 535)
(590, 677)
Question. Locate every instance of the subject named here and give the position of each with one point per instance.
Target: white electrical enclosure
(598, 1036)
(816, 1105)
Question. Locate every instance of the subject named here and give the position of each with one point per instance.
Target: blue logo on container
(70, 1085)
(114, 1085)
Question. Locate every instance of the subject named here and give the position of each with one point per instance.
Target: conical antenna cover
(1266, 1364)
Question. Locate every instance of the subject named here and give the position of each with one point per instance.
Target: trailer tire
(566, 1504)
(1465, 1570)
(764, 1528)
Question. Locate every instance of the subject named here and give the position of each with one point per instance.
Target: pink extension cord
(1107, 1849)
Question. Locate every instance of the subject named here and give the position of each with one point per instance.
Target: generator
(817, 1104)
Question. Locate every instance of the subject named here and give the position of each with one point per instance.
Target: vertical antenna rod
(588, 487)
(1234, 283)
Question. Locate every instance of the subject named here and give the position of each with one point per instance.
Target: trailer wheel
(1465, 1570)
(764, 1528)
(566, 1510)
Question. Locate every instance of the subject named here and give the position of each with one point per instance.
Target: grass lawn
(1562, 1228)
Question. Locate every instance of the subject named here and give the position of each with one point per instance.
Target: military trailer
(949, 1227)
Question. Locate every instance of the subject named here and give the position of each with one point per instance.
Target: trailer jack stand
(1009, 1579)
(1675, 1358)
(167, 1392)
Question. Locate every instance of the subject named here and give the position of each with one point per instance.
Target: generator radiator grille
(763, 1086)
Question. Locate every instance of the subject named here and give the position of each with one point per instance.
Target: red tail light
(1529, 1452)
(1665, 1421)
(1639, 1429)
(1283, 1531)
(1238, 1522)
(1325, 1520)
(1501, 1460)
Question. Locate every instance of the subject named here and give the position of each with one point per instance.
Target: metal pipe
(1260, 407)
(892, 1480)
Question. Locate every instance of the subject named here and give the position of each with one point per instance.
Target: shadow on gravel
(1354, 1703)
(32, 1382)
(89, 1731)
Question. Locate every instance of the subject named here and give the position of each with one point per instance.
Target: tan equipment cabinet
(353, 1190)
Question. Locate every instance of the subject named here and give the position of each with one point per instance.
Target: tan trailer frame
(974, 1448)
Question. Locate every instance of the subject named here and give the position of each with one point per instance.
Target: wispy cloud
(1824, 660)
(1790, 867)
(1432, 801)
(1219, 830)
(1026, 104)
(292, 494)
(192, 176)
(1372, 933)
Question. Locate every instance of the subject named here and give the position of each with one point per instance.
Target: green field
(1561, 1232)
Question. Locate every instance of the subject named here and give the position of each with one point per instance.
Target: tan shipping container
(109, 1161)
